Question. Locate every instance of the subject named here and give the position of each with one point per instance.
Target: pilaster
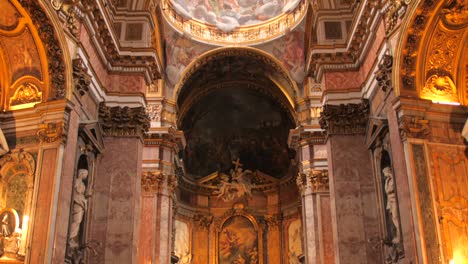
(116, 212)
(159, 181)
(352, 192)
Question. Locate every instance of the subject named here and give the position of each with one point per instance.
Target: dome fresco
(228, 15)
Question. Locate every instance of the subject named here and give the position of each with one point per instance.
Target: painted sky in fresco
(228, 15)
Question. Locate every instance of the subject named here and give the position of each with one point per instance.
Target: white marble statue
(465, 131)
(238, 187)
(392, 205)
(79, 207)
(3, 144)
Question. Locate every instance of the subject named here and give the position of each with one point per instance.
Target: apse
(232, 110)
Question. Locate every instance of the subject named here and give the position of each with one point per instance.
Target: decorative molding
(414, 127)
(51, 132)
(383, 76)
(156, 181)
(316, 62)
(299, 136)
(123, 121)
(273, 221)
(394, 10)
(349, 119)
(412, 42)
(81, 79)
(315, 181)
(203, 222)
(242, 35)
(19, 157)
(50, 41)
(151, 180)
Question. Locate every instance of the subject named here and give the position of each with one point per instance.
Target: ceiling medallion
(236, 22)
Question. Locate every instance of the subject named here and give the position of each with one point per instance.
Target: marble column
(312, 183)
(159, 184)
(117, 199)
(201, 240)
(353, 197)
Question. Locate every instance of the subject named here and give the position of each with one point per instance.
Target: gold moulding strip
(244, 35)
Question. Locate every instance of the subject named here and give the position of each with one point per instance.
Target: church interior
(234, 131)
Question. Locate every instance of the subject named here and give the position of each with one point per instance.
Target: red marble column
(354, 204)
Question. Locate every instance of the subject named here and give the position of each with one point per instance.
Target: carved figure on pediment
(80, 205)
(238, 186)
(392, 205)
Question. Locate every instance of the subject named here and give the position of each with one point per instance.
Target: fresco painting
(228, 15)
(290, 51)
(23, 58)
(238, 242)
(180, 52)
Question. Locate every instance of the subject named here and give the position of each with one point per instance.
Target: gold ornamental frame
(238, 210)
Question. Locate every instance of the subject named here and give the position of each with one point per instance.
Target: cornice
(352, 55)
(116, 58)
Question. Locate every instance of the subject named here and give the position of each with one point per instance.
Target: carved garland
(81, 79)
(384, 74)
(51, 44)
(412, 43)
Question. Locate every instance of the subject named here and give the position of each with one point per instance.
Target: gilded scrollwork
(456, 13)
(414, 127)
(440, 88)
(26, 95)
(51, 132)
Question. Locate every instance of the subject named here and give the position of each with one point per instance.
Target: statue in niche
(79, 208)
(392, 205)
(3, 144)
(238, 186)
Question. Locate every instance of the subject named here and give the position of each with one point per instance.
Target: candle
(24, 234)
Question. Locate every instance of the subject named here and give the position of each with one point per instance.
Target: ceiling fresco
(228, 15)
(236, 123)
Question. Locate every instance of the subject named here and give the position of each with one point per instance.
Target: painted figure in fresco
(5, 226)
(392, 205)
(79, 207)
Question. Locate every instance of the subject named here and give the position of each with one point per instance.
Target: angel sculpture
(238, 186)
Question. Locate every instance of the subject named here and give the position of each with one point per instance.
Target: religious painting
(294, 239)
(233, 123)
(182, 242)
(238, 242)
(228, 15)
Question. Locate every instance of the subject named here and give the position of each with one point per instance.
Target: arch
(431, 53)
(283, 81)
(42, 69)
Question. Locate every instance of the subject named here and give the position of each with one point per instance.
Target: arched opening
(236, 108)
